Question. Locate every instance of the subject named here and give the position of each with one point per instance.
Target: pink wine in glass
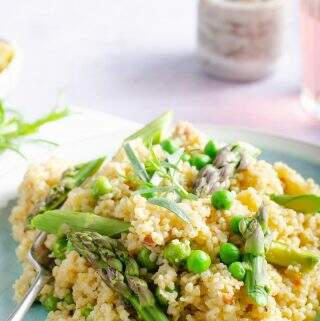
(310, 37)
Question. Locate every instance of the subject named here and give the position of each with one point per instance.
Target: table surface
(136, 58)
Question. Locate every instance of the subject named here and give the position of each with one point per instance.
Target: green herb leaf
(171, 206)
(13, 127)
(161, 189)
(154, 131)
(138, 168)
(24, 128)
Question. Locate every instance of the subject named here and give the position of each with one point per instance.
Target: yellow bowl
(10, 66)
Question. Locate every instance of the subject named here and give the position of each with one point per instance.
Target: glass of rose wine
(310, 42)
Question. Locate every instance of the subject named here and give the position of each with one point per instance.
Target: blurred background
(137, 58)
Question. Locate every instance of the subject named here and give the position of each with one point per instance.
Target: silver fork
(39, 259)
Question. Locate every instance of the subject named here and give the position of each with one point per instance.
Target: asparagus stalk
(61, 222)
(254, 232)
(306, 203)
(119, 271)
(71, 178)
(154, 131)
(256, 279)
(276, 252)
(228, 161)
(285, 255)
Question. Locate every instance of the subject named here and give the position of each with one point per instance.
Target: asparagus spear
(285, 255)
(229, 159)
(71, 178)
(276, 252)
(154, 131)
(255, 233)
(61, 221)
(119, 271)
(306, 203)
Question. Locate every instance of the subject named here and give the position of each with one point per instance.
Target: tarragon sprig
(162, 170)
(13, 128)
(167, 170)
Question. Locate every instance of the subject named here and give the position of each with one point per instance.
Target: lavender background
(136, 58)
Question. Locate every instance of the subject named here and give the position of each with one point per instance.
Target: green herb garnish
(154, 131)
(13, 128)
(164, 170)
(156, 189)
(138, 168)
(167, 170)
(171, 206)
(150, 175)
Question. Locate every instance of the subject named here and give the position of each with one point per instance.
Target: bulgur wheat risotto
(178, 199)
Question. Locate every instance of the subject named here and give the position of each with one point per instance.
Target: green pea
(50, 303)
(59, 248)
(85, 311)
(229, 253)
(222, 200)
(68, 298)
(161, 295)
(145, 261)
(237, 270)
(176, 252)
(234, 223)
(185, 157)
(169, 146)
(211, 149)
(198, 261)
(100, 187)
(200, 160)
